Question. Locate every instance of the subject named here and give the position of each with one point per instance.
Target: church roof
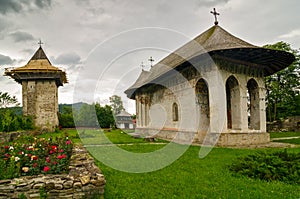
(217, 42)
(38, 67)
(123, 113)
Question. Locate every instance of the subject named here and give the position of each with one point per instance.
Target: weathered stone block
(68, 184)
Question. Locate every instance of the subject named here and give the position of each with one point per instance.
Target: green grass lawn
(290, 141)
(284, 134)
(187, 177)
(192, 177)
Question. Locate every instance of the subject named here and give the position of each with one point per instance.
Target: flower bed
(84, 180)
(32, 156)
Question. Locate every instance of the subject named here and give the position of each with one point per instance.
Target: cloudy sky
(101, 43)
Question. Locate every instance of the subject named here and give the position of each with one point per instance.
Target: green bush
(282, 166)
(10, 121)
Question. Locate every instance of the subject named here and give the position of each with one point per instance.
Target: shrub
(282, 166)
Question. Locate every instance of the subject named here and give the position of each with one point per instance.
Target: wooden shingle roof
(217, 42)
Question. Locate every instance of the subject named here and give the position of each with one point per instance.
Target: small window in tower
(175, 112)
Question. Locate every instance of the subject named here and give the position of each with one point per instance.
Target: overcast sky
(101, 43)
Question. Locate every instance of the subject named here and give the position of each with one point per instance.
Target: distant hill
(76, 106)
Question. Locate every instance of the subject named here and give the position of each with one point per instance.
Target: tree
(66, 117)
(116, 104)
(105, 116)
(86, 116)
(283, 86)
(6, 100)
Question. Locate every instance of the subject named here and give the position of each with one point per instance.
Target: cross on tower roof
(151, 61)
(40, 43)
(215, 13)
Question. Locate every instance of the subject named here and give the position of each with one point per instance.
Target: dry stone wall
(84, 180)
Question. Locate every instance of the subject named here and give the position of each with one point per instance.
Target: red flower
(61, 150)
(34, 165)
(68, 142)
(34, 157)
(6, 147)
(54, 162)
(48, 159)
(29, 155)
(59, 157)
(7, 155)
(63, 155)
(51, 152)
(54, 148)
(46, 168)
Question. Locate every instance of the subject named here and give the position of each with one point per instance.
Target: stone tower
(40, 81)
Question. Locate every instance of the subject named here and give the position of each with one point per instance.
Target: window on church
(175, 112)
(253, 105)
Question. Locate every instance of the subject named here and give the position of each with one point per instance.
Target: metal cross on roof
(151, 61)
(215, 13)
(40, 43)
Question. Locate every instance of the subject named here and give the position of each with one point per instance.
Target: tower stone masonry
(40, 81)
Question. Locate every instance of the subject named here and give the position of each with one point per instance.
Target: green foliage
(94, 115)
(66, 117)
(10, 121)
(7, 100)
(281, 165)
(116, 104)
(86, 117)
(283, 87)
(105, 116)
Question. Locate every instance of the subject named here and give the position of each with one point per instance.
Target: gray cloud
(67, 59)
(15, 6)
(210, 3)
(21, 36)
(5, 60)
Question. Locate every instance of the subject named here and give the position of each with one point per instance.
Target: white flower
(17, 159)
(11, 148)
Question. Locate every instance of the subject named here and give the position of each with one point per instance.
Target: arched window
(175, 112)
(233, 103)
(202, 100)
(253, 105)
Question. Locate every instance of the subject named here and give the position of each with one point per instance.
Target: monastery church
(211, 90)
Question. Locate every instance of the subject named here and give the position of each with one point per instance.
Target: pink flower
(48, 159)
(46, 168)
(51, 152)
(68, 142)
(54, 162)
(61, 150)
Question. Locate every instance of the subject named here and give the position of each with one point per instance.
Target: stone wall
(292, 123)
(84, 180)
(40, 100)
